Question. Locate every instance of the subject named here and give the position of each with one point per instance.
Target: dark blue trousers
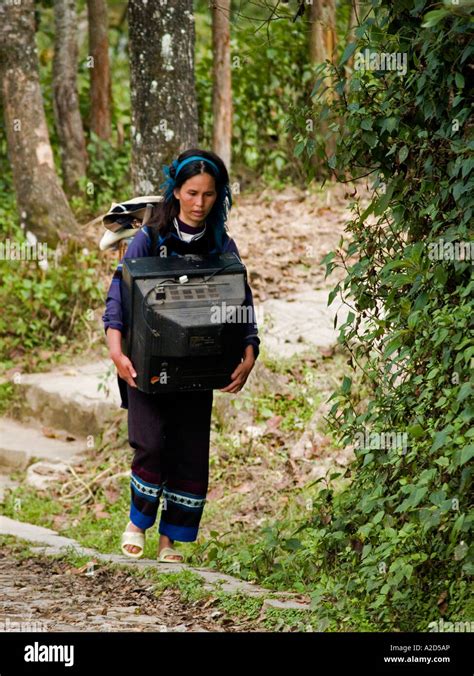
(170, 435)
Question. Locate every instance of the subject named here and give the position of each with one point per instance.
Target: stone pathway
(51, 595)
(43, 595)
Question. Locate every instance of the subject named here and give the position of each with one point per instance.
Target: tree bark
(322, 33)
(222, 82)
(66, 100)
(322, 42)
(101, 87)
(163, 93)
(42, 204)
(317, 53)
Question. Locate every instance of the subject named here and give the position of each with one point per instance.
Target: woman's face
(196, 198)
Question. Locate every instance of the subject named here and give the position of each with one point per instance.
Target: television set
(183, 320)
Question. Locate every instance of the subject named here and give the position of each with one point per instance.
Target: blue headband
(192, 159)
(170, 182)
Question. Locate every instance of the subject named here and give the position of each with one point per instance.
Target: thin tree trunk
(42, 204)
(163, 94)
(222, 82)
(322, 42)
(322, 39)
(66, 99)
(317, 53)
(101, 87)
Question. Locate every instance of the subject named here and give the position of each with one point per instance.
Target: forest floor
(267, 443)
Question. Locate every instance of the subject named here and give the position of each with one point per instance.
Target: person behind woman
(170, 432)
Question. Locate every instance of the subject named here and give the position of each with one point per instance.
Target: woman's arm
(250, 328)
(251, 339)
(125, 368)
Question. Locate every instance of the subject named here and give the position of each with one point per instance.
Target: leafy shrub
(48, 307)
(399, 534)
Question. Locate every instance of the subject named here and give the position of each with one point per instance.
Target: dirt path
(283, 235)
(52, 595)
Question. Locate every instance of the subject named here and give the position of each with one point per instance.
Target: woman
(170, 432)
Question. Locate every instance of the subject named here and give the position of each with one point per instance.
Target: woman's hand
(241, 373)
(125, 368)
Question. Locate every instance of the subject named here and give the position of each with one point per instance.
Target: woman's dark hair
(164, 212)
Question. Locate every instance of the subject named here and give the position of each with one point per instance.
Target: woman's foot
(165, 541)
(133, 549)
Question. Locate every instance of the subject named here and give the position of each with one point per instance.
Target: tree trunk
(317, 53)
(101, 88)
(222, 82)
(163, 94)
(66, 100)
(42, 204)
(322, 42)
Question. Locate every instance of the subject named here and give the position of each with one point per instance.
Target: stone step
(20, 443)
(6, 482)
(69, 398)
(302, 321)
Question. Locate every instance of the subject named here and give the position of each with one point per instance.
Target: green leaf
(460, 551)
(464, 391)
(382, 203)
(378, 517)
(392, 346)
(466, 454)
(402, 154)
(391, 123)
(346, 384)
(348, 52)
(434, 17)
(416, 431)
(370, 138)
(299, 148)
(439, 440)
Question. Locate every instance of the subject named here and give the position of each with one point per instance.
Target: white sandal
(167, 553)
(133, 538)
